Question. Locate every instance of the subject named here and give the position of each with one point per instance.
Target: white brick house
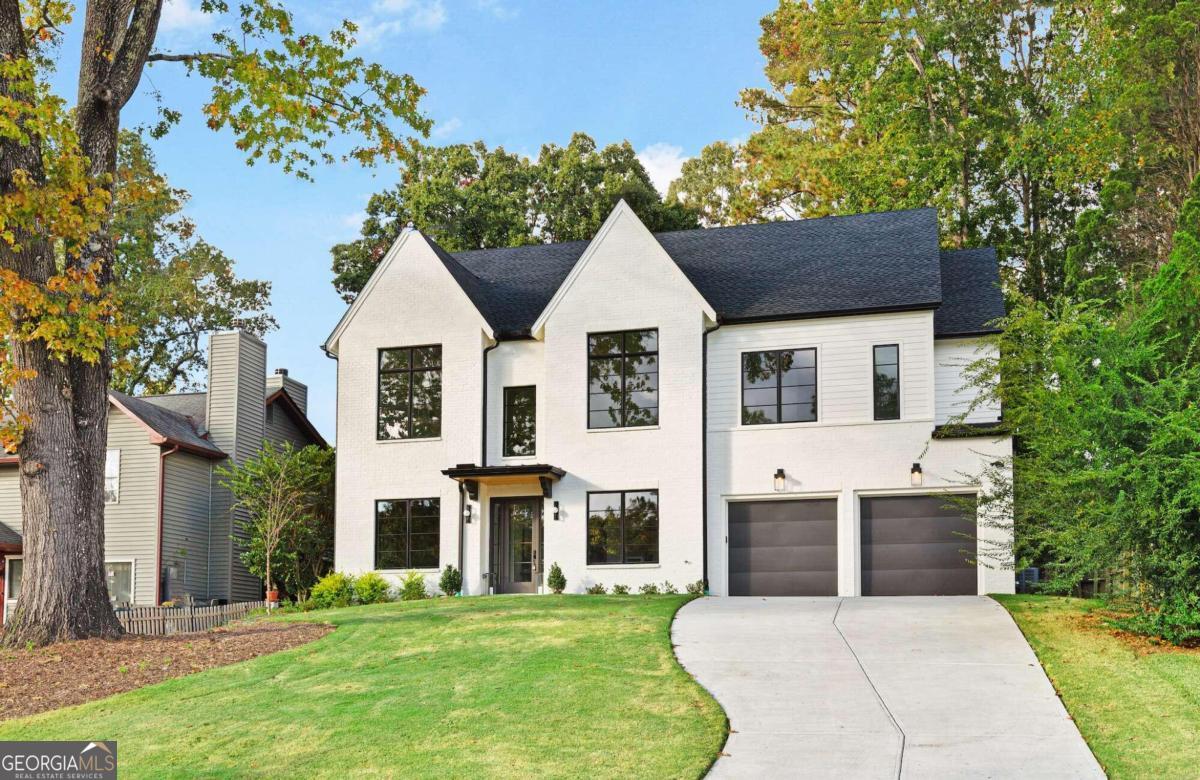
(717, 405)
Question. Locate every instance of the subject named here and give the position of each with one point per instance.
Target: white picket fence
(163, 621)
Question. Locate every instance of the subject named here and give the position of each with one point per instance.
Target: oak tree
(287, 96)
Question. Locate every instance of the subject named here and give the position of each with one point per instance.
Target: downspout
(483, 437)
(158, 556)
(704, 449)
(462, 533)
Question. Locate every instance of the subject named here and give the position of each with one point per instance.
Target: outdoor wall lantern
(916, 475)
(557, 513)
(467, 513)
(780, 480)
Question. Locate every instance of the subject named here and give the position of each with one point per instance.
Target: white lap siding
(953, 390)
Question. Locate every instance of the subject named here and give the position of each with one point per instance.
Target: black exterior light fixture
(780, 480)
(467, 513)
(557, 513)
(916, 476)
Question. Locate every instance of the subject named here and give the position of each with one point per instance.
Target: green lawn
(1139, 711)
(547, 686)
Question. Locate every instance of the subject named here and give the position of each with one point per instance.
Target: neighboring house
(168, 529)
(762, 407)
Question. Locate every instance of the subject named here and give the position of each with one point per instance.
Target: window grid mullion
(412, 377)
(622, 526)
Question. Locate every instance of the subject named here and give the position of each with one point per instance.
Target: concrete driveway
(877, 687)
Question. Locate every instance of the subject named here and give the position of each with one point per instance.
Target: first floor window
(112, 476)
(623, 527)
(15, 567)
(410, 393)
(407, 533)
(887, 381)
(779, 386)
(119, 575)
(520, 415)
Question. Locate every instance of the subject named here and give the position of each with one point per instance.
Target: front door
(516, 544)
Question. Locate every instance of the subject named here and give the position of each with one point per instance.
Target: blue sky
(663, 75)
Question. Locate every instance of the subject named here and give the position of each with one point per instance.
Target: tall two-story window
(407, 533)
(520, 415)
(623, 379)
(622, 527)
(779, 386)
(886, 381)
(410, 393)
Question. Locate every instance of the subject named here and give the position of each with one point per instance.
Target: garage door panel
(783, 548)
(920, 582)
(917, 545)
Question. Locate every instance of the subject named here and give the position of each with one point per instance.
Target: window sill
(623, 430)
(530, 458)
(408, 441)
(825, 424)
(612, 566)
(406, 571)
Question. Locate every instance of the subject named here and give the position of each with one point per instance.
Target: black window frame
(506, 446)
(624, 561)
(875, 364)
(623, 356)
(408, 534)
(411, 370)
(816, 386)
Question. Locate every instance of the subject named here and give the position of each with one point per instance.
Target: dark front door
(917, 546)
(783, 548)
(516, 544)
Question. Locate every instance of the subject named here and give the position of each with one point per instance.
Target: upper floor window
(520, 414)
(623, 379)
(779, 386)
(887, 381)
(410, 393)
(622, 527)
(407, 533)
(112, 476)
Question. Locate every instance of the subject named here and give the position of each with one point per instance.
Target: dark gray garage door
(783, 548)
(917, 546)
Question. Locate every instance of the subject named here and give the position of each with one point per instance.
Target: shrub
(555, 579)
(372, 588)
(451, 581)
(412, 587)
(649, 589)
(596, 590)
(620, 590)
(333, 590)
(1176, 620)
(695, 588)
(669, 589)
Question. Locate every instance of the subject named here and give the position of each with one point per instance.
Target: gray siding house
(169, 530)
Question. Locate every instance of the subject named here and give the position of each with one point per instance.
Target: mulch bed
(67, 673)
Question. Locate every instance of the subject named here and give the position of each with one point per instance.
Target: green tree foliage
(287, 495)
(1008, 117)
(1105, 408)
(174, 286)
(467, 196)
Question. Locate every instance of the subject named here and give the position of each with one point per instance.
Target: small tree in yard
(555, 579)
(282, 491)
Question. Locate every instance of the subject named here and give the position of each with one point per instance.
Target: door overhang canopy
(472, 476)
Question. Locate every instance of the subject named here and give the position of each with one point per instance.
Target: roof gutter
(704, 451)
(158, 555)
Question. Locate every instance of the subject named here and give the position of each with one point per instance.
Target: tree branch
(136, 43)
(192, 57)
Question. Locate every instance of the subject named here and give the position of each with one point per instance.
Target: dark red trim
(298, 416)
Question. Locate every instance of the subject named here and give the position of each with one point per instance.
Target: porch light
(916, 476)
(557, 513)
(780, 480)
(467, 513)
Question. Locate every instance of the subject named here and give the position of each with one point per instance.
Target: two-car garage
(909, 545)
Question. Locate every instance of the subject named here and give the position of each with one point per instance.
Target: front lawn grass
(1137, 705)
(501, 686)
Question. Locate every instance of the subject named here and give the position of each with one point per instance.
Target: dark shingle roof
(193, 405)
(885, 261)
(971, 296)
(168, 423)
(8, 535)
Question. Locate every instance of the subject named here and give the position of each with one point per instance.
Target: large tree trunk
(63, 590)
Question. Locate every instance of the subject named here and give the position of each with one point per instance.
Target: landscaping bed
(67, 673)
(1136, 701)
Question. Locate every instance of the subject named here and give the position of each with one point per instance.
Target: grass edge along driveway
(1138, 706)
(498, 686)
